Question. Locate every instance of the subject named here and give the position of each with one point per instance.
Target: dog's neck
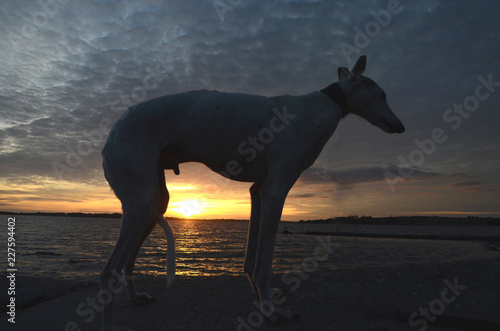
(334, 91)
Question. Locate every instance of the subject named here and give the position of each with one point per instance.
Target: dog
(268, 141)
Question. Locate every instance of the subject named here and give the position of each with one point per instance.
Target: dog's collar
(334, 91)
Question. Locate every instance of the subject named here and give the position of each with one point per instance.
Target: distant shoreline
(365, 220)
(101, 215)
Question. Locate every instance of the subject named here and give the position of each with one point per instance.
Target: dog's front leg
(272, 201)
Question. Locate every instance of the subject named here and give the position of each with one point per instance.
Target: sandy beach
(377, 296)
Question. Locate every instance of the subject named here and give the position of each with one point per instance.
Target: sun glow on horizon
(187, 208)
(204, 200)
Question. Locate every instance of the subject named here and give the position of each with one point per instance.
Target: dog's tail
(170, 249)
(162, 208)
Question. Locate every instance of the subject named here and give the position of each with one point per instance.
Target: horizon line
(348, 217)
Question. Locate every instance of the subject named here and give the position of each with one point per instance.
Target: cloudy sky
(68, 69)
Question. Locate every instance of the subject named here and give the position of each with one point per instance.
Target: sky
(69, 69)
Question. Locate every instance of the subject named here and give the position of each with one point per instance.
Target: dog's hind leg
(143, 298)
(137, 189)
(135, 223)
(137, 298)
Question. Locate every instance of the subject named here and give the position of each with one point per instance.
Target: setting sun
(188, 208)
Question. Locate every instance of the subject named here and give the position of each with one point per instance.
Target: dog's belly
(241, 170)
(232, 134)
(224, 161)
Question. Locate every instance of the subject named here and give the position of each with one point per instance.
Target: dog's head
(366, 99)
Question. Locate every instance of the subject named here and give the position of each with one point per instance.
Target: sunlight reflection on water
(72, 247)
(203, 248)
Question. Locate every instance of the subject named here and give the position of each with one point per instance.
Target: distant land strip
(405, 236)
(365, 220)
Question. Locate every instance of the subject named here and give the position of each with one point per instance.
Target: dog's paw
(142, 299)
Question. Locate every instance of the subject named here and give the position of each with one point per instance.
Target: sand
(363, 298)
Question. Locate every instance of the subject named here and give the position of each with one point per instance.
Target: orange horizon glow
(41, 194)
(50, 196)
(204, 199)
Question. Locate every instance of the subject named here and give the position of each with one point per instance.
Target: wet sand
(374, 296)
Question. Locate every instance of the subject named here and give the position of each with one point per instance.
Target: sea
(78, 247)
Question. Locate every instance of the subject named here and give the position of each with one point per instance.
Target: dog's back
(218, 129)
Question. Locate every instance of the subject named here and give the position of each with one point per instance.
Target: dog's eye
(384, 96)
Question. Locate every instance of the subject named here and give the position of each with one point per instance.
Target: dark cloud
(469, 183)
(317, 175)
(354, 175)
(302, 196)
(475, 186)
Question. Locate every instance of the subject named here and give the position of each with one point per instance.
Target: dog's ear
(343, 72)
(360, 66)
